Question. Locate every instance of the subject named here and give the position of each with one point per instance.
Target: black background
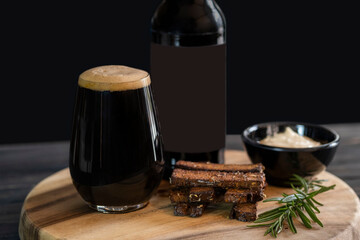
(286, 61)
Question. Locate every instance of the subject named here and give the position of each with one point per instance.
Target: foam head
(114, 78)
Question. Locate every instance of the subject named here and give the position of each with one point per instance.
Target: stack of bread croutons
(196, 185)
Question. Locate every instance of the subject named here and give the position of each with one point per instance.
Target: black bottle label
(189, 85)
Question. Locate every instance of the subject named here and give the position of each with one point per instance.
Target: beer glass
(116, 160)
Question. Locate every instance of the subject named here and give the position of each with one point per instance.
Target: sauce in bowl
(289, 139)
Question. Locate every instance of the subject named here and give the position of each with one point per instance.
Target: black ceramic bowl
(280, 162)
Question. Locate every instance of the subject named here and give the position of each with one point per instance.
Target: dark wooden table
(22, 166)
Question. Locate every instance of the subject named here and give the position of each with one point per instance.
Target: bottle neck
(188, 23)
(197, 2)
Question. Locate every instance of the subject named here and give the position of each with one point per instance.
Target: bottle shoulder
(188, 19)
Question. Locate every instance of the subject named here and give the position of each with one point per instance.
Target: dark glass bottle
(188, 69)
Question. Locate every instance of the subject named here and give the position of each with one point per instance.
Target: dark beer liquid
(188, 68)
(115, 152)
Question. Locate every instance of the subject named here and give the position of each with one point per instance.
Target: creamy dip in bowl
(285, 148)
(289, 139)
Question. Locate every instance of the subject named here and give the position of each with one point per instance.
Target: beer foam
(114, 78)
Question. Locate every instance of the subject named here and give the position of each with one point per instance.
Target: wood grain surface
(54, 210)
(24, 165)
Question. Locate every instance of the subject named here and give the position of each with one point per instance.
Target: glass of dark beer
(116, 159)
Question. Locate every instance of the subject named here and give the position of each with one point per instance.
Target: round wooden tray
(54, 210)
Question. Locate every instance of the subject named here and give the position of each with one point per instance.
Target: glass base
(117, 209)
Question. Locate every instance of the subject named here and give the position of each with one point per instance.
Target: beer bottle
(188, 69)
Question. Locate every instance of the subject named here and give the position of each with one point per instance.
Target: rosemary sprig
(293, 205)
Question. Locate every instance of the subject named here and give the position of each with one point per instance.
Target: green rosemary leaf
(317, 185)
(303, 182)
(298, 190)
(312, 214)
(303, 217)
(297, 198)
(292, 197)
(273, 199)
(268, 231)
(268, 218)
(319, 180)
(281, 224)
(308, 200)
(292, 211)
(318, 203)
(273, 233)
(321, 190)
(290, 222)
(277, 227)
(270, 212)
(261, 225)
